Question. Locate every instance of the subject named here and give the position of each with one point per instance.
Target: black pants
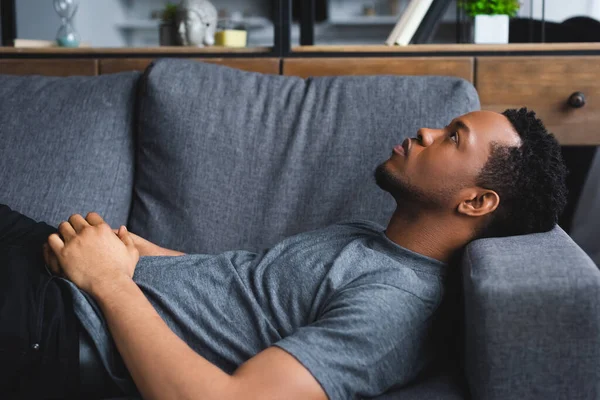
(39, 346)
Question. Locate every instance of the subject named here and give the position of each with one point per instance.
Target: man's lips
(404, 148)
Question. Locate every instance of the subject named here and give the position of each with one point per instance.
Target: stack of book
(418, 22)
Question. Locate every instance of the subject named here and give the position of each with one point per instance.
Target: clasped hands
(89, 253)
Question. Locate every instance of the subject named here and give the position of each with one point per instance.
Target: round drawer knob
(577, 100)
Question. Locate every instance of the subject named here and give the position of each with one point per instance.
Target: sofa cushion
(444, 386)
(532, 318)
(229, 159)
(67, 145)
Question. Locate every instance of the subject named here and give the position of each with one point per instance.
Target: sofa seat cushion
(67, 145)
(229, 159)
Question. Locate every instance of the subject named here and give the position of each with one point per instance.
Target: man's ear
(478, 202)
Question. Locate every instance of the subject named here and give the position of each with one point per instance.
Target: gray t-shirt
(348, 303)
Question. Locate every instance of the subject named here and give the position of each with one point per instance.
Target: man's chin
(403, 192)
(386, 180)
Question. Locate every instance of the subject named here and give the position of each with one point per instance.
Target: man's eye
(454, 136)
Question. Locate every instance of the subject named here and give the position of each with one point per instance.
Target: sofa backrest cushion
(66, 145)
(229, 159)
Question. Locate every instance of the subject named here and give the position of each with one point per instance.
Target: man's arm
(147, 248)
(161, 364)
(164, 367)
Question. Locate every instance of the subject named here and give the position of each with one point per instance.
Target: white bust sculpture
(196, 23)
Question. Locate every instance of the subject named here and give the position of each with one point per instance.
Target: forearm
(168, 252)
(161, 364)
(151, 249)
(147, 248)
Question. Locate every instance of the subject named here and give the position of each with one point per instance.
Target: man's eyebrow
(461, 125)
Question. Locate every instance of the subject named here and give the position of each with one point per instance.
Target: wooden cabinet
(263, 65)
(564, 92)
(461, 67)
(49, 67)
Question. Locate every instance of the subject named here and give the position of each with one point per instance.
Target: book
(429, 24)
(409, 22)
(28, 43)
(391, 40)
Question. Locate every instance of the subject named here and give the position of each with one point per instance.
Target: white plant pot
(491, 29)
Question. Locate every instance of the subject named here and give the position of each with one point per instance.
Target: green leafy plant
(169, 13)
(490, 7)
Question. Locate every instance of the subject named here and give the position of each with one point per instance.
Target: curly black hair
(530, 179)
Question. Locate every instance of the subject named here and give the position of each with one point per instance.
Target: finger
(127, 239)
(56, 243)
(52, 262)
(66, 230)
(78, 222)
(125, 236)
(94, 219)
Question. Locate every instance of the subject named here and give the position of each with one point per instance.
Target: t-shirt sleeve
(367, 339)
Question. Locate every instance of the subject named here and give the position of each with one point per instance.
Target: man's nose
(426, 136)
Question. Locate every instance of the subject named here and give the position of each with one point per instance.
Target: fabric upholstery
(67, 145)
(586, 221)
(532, 310)
(440, 387)
(229, 159)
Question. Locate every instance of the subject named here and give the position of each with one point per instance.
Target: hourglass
(66, 36)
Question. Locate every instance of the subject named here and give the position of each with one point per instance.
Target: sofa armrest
(532, 318)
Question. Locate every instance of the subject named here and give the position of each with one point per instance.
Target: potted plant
(167, 29)
(491, 18)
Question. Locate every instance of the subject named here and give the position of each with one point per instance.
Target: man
(341, 312)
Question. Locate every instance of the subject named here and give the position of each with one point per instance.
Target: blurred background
(134, 23)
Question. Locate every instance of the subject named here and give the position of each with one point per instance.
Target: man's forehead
(490, 126)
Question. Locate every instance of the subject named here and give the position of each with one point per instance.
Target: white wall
(559, 10)
(95, 21)
(36, 19)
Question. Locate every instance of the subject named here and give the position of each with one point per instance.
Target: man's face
(432, 169)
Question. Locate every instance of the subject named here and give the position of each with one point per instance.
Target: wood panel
(264, 65)
(50, 67)
(461, 67)
(174, 51)
(544, 85)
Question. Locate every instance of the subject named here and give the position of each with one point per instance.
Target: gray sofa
(202, 158)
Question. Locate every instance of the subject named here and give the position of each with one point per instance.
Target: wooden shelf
(432, 48)
(421, 50)
(134, 51)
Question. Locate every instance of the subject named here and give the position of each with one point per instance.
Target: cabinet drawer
(263, 65)
(49, 67)
(461, 67)
(545, 84)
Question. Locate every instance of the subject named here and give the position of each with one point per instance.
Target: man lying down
(340, 312)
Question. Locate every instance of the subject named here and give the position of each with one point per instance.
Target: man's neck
(425, 232)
